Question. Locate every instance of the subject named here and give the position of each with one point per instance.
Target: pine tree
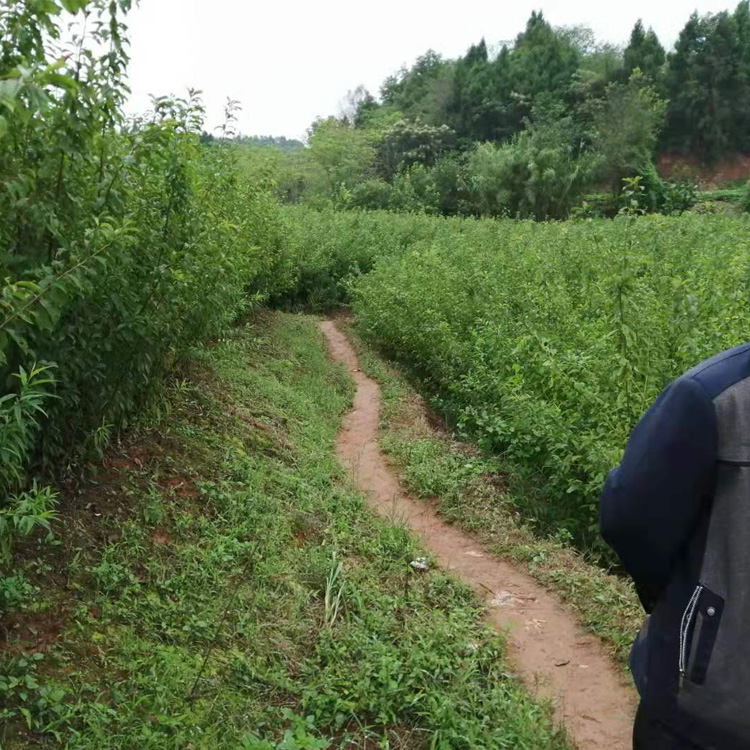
(644, 52)
(706, 82)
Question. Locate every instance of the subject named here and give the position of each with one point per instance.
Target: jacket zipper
(687, 618)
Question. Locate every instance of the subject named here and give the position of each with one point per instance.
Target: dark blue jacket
(677, 512)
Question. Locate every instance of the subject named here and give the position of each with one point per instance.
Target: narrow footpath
(552, 654)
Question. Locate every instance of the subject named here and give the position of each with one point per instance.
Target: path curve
(552, 654)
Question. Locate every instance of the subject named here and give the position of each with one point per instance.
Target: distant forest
(487, 97)
(528, 128)
(281, 142)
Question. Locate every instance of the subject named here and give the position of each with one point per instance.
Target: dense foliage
(122, 242)
(537, 174)
(544, 341)
(462, 136)
(745, 202)
(484, 96)
(264, 141)
(708, 74)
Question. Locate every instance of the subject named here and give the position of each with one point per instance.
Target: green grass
(483, 494)
(726, 195)
(217, 584)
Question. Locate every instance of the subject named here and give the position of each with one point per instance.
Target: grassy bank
(484, 495)
(218, 585)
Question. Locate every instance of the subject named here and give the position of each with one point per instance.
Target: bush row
(122, 242)
(546, 341)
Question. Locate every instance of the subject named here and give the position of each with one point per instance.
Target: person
(677, 512)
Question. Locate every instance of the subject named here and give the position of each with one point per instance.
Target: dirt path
(548, 648)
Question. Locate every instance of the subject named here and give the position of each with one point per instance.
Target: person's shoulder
(721, 371)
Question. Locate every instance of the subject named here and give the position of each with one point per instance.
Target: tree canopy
(488, 97)
(529, 126)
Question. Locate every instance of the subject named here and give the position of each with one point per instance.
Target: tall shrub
(537, 175)
(122, 242)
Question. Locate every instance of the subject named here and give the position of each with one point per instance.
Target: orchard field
(544, 341)
(184, 561)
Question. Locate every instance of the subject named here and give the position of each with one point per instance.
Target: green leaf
(73, 6)
(22, 343)
(61, 81)
(27, 715)
(3, 126)
(9, 89)
(43, 319)
(47, 6)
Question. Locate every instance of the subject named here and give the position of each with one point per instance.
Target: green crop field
(546, 342)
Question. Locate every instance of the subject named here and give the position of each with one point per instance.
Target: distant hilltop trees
(264, 141)
(282, 142)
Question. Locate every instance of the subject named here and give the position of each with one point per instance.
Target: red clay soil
(729, 170)
(548, 649)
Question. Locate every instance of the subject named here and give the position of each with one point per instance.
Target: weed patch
(218, 585)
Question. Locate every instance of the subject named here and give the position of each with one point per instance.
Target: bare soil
(548, 649)
(709, 177)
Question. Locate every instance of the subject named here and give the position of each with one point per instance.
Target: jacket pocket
(698, 631)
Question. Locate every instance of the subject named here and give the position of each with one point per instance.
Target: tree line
(530, 128)
(483, 97)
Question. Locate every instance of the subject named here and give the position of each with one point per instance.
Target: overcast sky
(289, 61)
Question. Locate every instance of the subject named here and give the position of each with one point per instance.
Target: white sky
(289, 61)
